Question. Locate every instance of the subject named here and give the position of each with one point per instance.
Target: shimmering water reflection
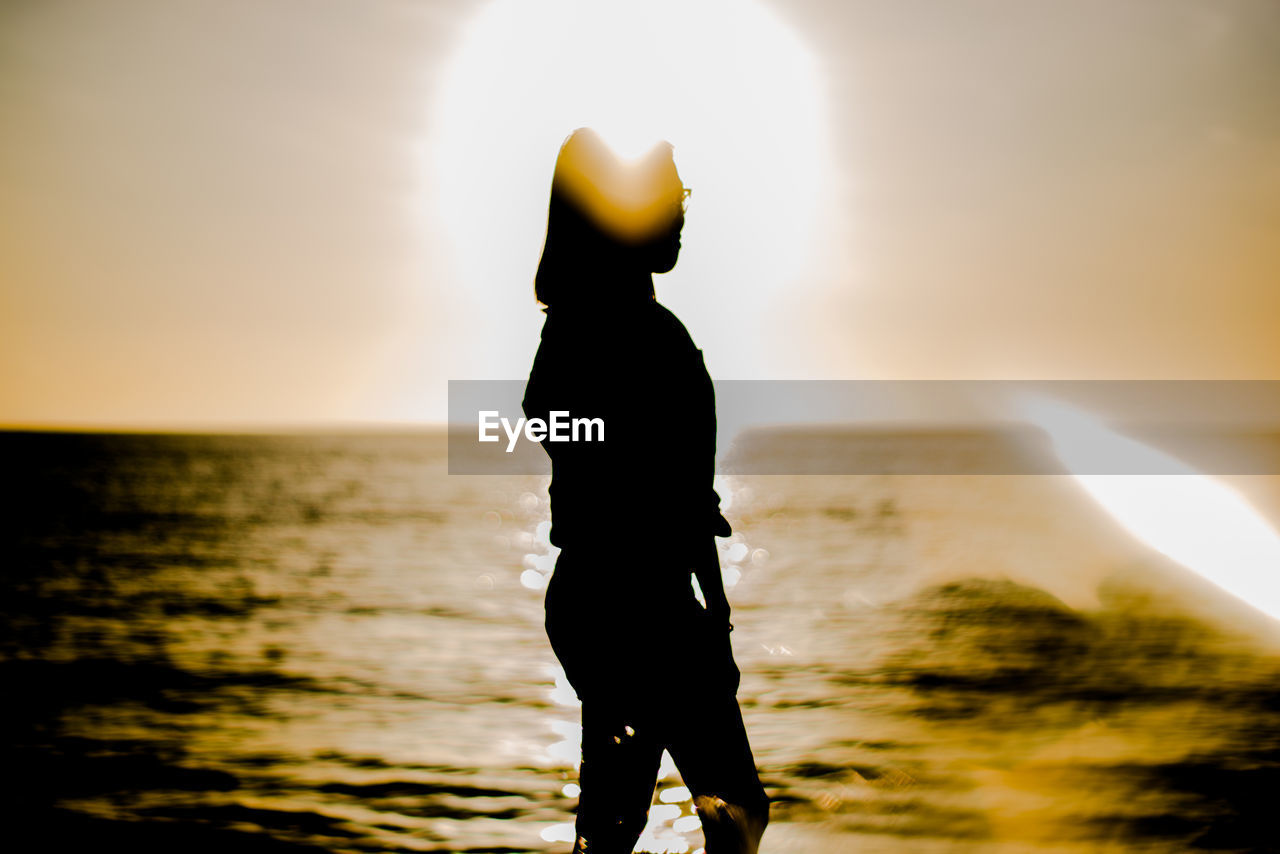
(326, 644)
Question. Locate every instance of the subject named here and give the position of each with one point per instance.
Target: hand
(716, 644)
(719, 615)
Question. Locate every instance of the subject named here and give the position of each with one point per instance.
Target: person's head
(610, 223)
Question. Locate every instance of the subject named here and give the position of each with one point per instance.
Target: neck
(610, 291)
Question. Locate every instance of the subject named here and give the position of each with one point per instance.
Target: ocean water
(326, 644)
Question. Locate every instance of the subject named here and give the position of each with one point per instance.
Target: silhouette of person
(635, 515)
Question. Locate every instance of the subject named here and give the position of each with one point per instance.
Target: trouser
(653, 675)
(620, 757)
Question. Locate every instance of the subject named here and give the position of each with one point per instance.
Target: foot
(731, 828)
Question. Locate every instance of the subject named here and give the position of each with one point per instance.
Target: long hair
(603, 221)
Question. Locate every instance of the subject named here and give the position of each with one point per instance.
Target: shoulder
(566, 332)
(669, 327)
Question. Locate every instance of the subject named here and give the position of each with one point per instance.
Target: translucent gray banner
(920, 427)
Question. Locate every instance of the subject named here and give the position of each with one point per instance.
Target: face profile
(665, 250)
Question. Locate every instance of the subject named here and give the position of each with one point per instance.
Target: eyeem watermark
(559, 427)
(969, 427)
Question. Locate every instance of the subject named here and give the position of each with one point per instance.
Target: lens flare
(1189, 517)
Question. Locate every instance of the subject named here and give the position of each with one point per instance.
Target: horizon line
(206, 428)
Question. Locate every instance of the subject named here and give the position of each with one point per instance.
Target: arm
(710, 581)
(719, 644)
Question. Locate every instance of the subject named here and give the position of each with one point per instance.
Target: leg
(731, 828)
(620, 761)
(709, 745)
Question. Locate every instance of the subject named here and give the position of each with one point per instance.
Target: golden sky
(288, 212)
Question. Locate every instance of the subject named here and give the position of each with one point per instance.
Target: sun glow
(1189, 517)
(727, 83)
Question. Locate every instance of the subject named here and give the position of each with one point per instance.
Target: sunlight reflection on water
(326, 642)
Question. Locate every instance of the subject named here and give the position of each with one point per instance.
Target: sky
(293, 212)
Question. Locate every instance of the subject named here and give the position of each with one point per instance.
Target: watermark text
(559, 426)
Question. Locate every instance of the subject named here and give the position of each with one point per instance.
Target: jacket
(635, 368)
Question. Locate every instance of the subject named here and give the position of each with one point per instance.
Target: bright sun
(725, 81)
